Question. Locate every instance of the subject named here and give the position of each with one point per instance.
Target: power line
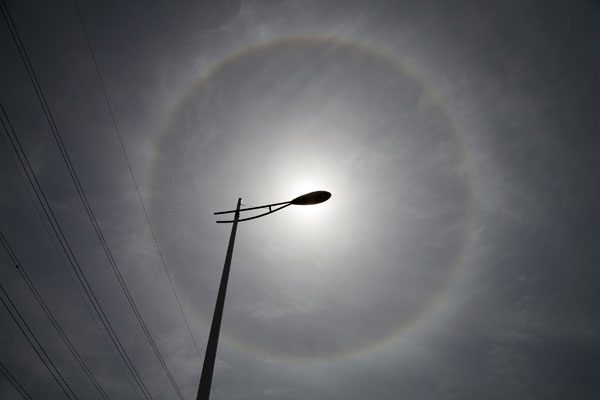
(137, 189)
(83, 197)
(13, 381)
(50, 315)
(36, 345)
(72, 276)
(68, 251)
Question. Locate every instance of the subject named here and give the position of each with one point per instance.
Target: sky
(456, 259)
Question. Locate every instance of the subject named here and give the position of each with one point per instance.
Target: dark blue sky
(456, 259)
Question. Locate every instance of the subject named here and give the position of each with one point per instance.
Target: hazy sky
(456, 259)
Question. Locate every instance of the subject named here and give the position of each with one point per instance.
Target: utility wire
(72, 276)
(13, 381)
(51, 317)
(83, 197)
(137, 189)
(35, 344)
(66, 247)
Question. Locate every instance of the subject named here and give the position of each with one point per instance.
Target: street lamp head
(304, 200)
(311, 198)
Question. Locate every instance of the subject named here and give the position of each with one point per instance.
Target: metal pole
(213, 338)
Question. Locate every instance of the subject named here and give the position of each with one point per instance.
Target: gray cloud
(456, 258)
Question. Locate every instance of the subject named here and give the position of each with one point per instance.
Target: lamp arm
(253, 208)
(269, 206)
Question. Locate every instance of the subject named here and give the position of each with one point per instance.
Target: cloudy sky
(456, 259)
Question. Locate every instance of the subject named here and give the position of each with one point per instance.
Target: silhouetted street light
(213, 338)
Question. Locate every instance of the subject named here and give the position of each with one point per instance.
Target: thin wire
(137, 190)
(87, 206)
(39, 350)
(66, 247)
(64, 264)
(13, 381)
(51, 317)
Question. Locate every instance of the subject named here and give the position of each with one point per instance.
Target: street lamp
(213, 338)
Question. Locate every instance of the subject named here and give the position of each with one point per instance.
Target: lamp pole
(213, 338)
(215, 328)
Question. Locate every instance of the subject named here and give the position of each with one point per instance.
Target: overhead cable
(137, 189)
(50, 315)
(13, 381)
(85, 301)
(67, 249)
(74, 177)
(35, 344)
